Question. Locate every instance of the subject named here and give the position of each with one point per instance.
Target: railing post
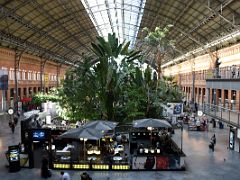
(229, 116)
(221, 112)
(238, 119)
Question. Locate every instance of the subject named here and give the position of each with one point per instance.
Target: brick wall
(29, 75)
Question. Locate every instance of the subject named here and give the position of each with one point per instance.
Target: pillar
(223, 98)
(42, 81)
(229, 99)
(217, 97)
(18, 56)
(58, 74)
(210, 97)
(237, 100)
(193, 87)
(196, 94)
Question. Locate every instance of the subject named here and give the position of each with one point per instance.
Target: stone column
(229, 99)
(237, 100)
(217, 97)
(42, 80)
(223, 98)
(210, 96)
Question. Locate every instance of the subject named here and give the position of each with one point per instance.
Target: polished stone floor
(201, 162)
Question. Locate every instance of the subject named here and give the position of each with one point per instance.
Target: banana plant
(107, 70)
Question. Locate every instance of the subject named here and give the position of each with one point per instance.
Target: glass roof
(120, 16)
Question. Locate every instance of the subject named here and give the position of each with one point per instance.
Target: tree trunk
(159, 58)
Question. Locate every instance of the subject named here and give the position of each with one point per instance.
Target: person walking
(15, 118)
(214, 139)
(212, 142)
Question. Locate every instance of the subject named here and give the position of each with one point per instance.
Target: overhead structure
(195, 24)
(62, 30)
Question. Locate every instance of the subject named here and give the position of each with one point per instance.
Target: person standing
(65, 176)
(45, 172)
(12, 126)
(198, 124)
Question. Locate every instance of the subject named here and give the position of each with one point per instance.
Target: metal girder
(34, 28)
(123, 20)
(183, 12)
(188, 35)
(210, 17)
(225, 19)
(115, 5)
(73, 15)
(91, 14)
(40, 8)
(138, 18)
(109, 15)
(6, 14)
(13, 40)
(205, 20)
(18, 55)
(177, 27)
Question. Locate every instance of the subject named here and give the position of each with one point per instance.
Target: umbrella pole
(151, 137)
(84, 151)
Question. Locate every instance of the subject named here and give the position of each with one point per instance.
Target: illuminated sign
(100, 166)
(120, 167)
(61, 166)
(81, 166)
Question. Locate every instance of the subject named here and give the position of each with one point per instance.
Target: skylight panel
(121, 16)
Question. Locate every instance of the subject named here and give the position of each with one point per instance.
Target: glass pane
(123, 15)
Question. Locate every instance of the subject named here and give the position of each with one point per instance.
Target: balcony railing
(226, 115)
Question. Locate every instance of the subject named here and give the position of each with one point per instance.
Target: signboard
(14, 158)
(3, 79)
(177, 109)
(174, 108)
(20, 107)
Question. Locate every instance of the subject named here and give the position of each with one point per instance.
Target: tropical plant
(108, 76)
(39, 98)
(159, 44)
(108, 89)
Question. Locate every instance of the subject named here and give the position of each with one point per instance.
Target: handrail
(223, 114)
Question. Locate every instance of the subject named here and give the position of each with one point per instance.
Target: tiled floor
(201, 162)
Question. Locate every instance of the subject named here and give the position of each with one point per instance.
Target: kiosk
(14, 158)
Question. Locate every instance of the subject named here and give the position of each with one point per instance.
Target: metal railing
(223, 114)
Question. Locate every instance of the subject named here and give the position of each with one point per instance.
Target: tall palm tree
(159, 43)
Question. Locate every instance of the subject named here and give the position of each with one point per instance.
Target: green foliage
(159, 44)
(39, 98)
(113, 91)
(158, 37)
